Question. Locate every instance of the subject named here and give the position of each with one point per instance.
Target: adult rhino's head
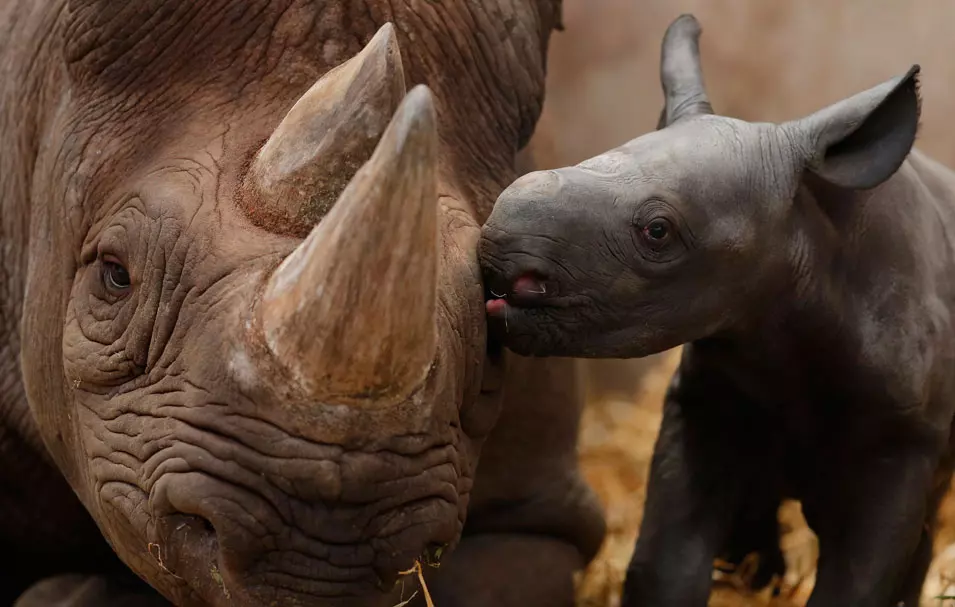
(255, 336)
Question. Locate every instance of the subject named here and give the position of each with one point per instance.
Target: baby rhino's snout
(535, 244)
(539, 253)
(516, 249)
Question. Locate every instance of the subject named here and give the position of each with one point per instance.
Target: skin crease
(808, 267)
(188, 446)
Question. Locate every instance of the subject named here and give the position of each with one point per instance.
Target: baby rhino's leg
(755, 531)
(714, 449)
(875, 522)
(911, 590)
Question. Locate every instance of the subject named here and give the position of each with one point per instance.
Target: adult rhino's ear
(861, 141)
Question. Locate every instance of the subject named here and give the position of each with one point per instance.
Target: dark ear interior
(863, 140)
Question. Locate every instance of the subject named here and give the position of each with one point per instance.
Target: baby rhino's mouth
(528, 290)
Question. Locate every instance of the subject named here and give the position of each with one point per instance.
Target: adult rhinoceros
(260, 368)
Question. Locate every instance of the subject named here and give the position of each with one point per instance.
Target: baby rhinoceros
(809, 267)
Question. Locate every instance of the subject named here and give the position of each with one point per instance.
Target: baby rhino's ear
(861, 141)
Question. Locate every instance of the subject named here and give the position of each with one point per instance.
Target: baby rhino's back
(938, 182)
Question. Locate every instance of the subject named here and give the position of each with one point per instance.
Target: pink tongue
(528, 285)
(495, 307)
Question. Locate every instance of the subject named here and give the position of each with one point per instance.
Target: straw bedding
(617, 438)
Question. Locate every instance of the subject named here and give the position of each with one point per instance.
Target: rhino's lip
(525, 295)
(190, 553)
(525, 289)
(187, 547)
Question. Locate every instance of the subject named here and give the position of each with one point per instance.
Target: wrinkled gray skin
(809, 267)
(151, 416)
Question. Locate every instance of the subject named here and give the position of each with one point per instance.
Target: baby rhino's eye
(658, 229)
(115, 276)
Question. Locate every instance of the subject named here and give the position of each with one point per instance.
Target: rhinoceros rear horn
(351, 312)
(681, 73)
(329, 132)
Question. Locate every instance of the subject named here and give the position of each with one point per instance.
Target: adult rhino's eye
(115, 276)
(657, 230)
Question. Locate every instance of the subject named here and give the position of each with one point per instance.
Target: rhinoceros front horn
(351, 312)
(329, 132)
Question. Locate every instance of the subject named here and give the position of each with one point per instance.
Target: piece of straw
(424, 587)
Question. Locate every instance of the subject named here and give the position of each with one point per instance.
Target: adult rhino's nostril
(205, 524)
(195, 523)
(434, 553)
(223, 522)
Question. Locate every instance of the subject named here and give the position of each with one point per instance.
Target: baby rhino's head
(617, 257)
(685, 231)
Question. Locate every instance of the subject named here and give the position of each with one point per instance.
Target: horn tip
(385, 40)
(387, 30)
(417, 109)
(384, 47)
(421, 96)
(685, 24)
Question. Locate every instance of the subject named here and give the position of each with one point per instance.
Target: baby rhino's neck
(851, 309)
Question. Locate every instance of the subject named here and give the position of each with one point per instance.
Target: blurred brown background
(763, 60)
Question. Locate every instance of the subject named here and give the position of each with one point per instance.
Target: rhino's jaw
(234, 511)
(238, 541)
